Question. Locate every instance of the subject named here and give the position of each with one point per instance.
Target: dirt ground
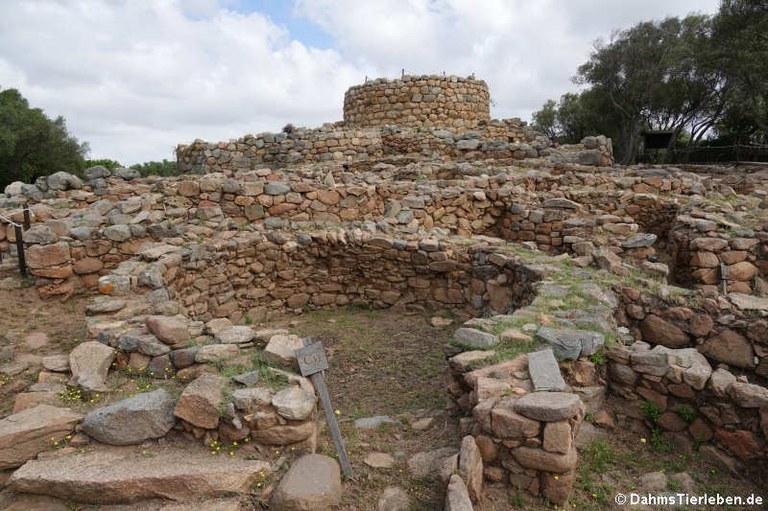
(381, 363)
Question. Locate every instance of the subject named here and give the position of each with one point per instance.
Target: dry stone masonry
(579, 281)
(418, 101)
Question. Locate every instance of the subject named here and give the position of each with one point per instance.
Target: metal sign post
(312, 363)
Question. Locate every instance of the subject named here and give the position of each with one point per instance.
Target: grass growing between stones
(615, 464)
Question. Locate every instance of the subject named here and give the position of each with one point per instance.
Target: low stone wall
(674, 396)
(508, 139)
(415, 101)
(107, 219)
(729, 330)
(698, 250)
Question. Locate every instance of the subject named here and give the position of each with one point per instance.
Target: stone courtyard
(572, 284)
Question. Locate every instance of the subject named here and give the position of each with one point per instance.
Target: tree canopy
(31, 144)
(696, 77)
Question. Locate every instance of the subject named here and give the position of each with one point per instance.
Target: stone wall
(570, 208)
(253, 274)
(418, 101)
(507, 139)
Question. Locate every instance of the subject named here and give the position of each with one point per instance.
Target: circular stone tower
(418, 102)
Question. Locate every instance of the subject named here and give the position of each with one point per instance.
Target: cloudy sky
(134, 78)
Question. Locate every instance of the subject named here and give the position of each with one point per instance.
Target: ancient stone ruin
(578, 280)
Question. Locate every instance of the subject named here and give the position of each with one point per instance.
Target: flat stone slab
(25, 434)
(124, 476)
(571, 344)
(642, 240)
(464, 361)
(475, 338)
(548, 406)
(545, 372)
(313, 483)
(133, 420)
(748, 302)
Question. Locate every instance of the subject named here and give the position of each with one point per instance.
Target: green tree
(740, 35)
(157, 168)
(545, 120)
(104, 162)
(31, 144)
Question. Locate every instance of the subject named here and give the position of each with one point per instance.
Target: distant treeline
(33, 145)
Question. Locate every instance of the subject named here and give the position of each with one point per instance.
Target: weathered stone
(89, 363)
(731, 348)
(457, 496)
(379, 460)
(571, 344)
(544, 371)
(235, 335)
(475, 338)
(199, 402)
(659, 331)
(313, 483)
(168, 329)
(293, 403)
(56, 363)
(742, 272)
(26, 400)
(748, 302)
(424, 464)
(741, 443)
(506, 423)
(133, 420)
(653, 362)
(25, 434)
(471, 467)
(214, 352)
(45, 256)
(281, 349)
(548, 406)
(117, 233)
(60, 181)
(40, 234)
(251, 399)
(183, 358)
(249, 379)
(670, 421)
(285, 434)
(748, 395)
(394, 498)
(557, 437)
(464, 361)
(560, 203)
(720, 381)
(700, 325)
(121, 477)
(88, 265)
(539, 459)
(639, 241)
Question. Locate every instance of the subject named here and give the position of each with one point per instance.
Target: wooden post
(20, 250)
(312, 363)
(26, 218)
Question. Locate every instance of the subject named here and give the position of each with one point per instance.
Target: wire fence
(707, 154)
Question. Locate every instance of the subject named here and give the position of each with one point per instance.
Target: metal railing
(19, 234)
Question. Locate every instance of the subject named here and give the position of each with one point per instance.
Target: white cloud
(136, 77)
